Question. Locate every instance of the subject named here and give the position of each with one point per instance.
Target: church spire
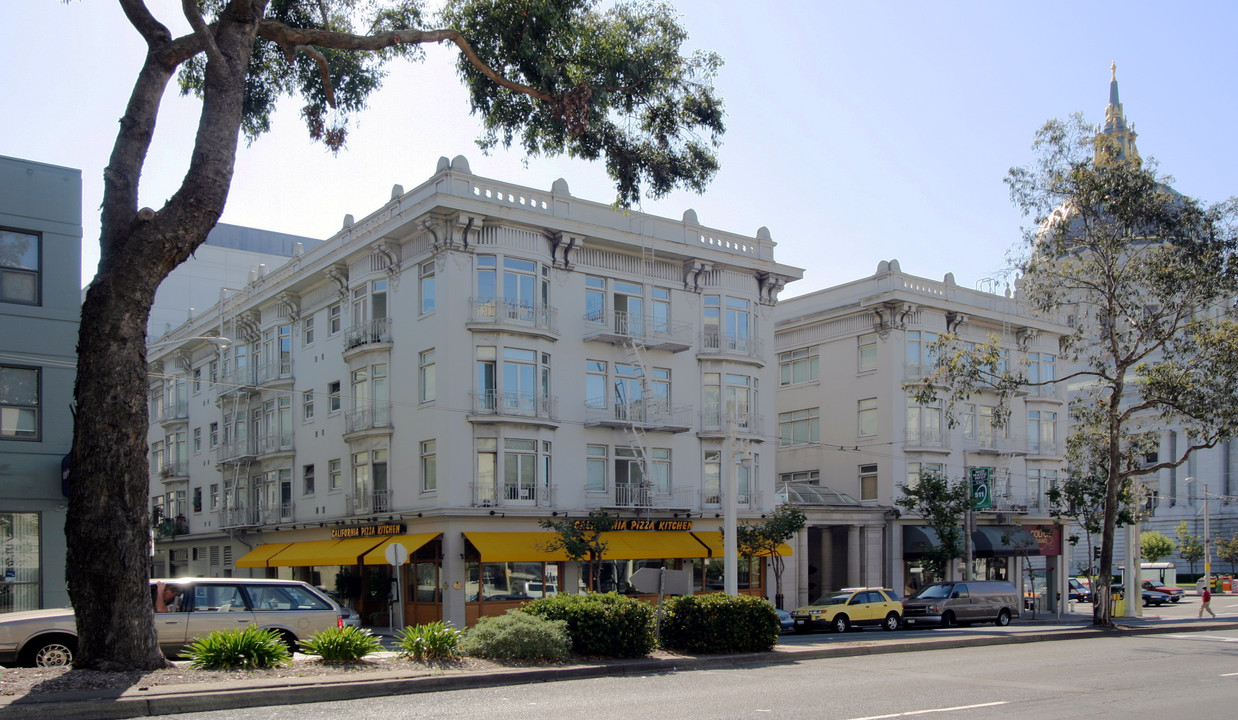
(1115, 142)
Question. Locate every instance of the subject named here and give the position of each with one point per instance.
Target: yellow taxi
(851, 607)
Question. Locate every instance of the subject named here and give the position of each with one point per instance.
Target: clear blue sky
(858, 132)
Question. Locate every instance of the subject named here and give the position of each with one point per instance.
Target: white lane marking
(932, 710)
(1207, 638)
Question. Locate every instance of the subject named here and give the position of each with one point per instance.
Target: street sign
(397, 554)
(981, 487)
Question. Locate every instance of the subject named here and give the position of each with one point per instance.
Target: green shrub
(337, 645)
(719, 623)
(248, 648)
(431, 641)
(518, 636)
(601, 624)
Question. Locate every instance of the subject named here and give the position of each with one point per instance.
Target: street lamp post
(1207, 535)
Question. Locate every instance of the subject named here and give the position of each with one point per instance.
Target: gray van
(962, 603)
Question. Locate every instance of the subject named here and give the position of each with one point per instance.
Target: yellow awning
(258, 556)
(412, 543)
(714, 541)
(651, 545)
(515, 546)
(324, 552)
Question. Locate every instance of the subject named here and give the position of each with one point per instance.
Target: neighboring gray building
(232, 257)
(40, 265)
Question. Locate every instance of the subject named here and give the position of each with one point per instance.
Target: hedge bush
(247, 648)
(431, 641)
(518, 636)
(601, 624)
(341, 645)
(719, 623)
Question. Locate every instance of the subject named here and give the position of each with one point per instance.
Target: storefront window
(510, 581)
(19, 561)
(425, 582)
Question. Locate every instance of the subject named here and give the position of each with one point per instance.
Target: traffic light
(1096, 553)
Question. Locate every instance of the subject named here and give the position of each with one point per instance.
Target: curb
(138, 702)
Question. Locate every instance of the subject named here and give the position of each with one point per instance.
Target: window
(197, 380)
(334, 476)
(156, 457)
(307, 480)
(511, 381)
(197, 440)
(429, 466)
(214, 497)
(712, 480)
(519, 469)
(924, 424)
(1041, 432)
(727, 324)
(333, 396)
(213, 371)
(868, 417)
(427, 287)
(868, 482)
(19, 267)
(867, 352)
(213, 433)
(333, 319)
(799, 427)
(921, 353)
(595, 468)
(429, 381)
(307, 405)
(915, 470)
(19, 403)
(197, 499)
(19, 536)
(595, 299)
(307, 331)
(1041, 368)
(798, 366)
(808, 477)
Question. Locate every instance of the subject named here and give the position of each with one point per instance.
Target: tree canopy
(943, 505)
(1145, 279)
(555, 76)
(763, 538)
(1154, 546)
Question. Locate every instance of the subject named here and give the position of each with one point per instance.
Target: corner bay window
(525, 477)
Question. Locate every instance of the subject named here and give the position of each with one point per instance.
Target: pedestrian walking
(1204, 599)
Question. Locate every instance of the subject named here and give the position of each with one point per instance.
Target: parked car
(1080, 592)
(851, 607)
(348, 616)
(1175, 593)
(946, 604)
(785, 621)
(48, 638)
(1150, 597)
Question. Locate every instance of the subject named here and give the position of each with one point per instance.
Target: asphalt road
(1145, 676)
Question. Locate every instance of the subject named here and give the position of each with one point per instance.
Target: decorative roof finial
(1114, 69)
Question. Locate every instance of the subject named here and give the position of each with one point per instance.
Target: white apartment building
(850, 432)
(469, 359)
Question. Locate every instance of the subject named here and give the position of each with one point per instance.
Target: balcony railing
(728, 344)
(369, 418)
(375, 331)
(1041, 447)
(503, 311)
(232, 380)
(170, 528)
(236, 517)
(991, 443)
(174, 468)
(172, 412)
(712, 497)
(277, 370)
(650, 415)
(652, 332)
(714, 420)
(274, 442)
(499, 494)
(926, 437)
(236, 450)
(368, 503)
(489, 402)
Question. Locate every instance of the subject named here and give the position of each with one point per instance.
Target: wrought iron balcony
(504, 311)
(375, 331)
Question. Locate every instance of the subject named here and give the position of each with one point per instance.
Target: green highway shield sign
(981, 487)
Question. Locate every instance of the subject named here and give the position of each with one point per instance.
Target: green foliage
(431, 641)
(518, 636)
(601, 624)
(581, 539)
(1155, 546)
(719, 623)
(1227, 550)
(941, 504)
(247, 648)
(338, 645)
(763, 538)
(1190, 547)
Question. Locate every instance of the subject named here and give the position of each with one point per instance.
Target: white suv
(48, 638)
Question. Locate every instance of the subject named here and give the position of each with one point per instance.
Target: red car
(1175, 593)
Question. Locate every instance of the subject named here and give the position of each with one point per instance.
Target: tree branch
(140, 17)
(200, 30)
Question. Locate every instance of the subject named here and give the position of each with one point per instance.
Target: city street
(1152, 676)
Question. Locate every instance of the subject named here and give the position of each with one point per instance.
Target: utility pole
(1207, 542)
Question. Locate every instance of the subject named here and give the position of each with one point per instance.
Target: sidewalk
(232, 694)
